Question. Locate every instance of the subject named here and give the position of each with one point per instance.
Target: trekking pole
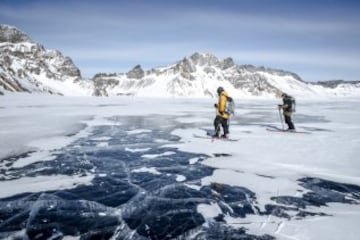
(281, 119)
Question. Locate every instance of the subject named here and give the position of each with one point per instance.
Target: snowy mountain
(26, 66)
(340, 87)
(200, 74)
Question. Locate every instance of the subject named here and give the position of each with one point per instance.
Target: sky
(318, 40)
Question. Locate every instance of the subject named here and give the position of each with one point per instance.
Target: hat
(219, 90)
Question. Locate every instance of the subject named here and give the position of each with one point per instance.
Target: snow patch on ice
(193, 120)
(138, 131)
(193, 160)
(209, 210)
(149, 170)
(102, 144)
(180, 178)
(42, 183)
(101, 138)
(33, 158)
(152, 156)
(134, 150)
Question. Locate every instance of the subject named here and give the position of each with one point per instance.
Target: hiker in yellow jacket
(222, 116)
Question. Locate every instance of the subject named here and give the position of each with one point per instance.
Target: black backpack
(290, 101)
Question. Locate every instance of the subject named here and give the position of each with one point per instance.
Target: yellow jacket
(222, 105)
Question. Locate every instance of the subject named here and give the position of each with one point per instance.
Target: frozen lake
(130, 168)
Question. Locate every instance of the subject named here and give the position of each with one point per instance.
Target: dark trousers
(289, 121)
(223, 122)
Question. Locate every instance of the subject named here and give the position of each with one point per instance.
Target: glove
(215, 105)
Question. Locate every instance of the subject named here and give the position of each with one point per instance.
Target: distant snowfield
(268, 163)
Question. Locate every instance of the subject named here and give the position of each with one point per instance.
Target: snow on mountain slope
(26, 66)
(338, 88)
(197, 76)
(180, 79)
(200, 74)
(184, 78)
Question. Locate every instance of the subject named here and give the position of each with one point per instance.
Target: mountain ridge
(26, 66)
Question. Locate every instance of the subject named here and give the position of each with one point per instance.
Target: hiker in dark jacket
(221, 116)
(288, 108)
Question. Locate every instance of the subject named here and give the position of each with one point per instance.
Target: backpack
(290, 101)
(230, 105)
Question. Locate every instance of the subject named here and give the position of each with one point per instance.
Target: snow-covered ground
(37, 129)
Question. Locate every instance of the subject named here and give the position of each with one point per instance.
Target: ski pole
(281, 119)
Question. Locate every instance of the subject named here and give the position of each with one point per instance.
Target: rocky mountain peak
(204, 59)
(227, 63)
(26, 66)
(12, 34)
(137, 72)
(185, 66)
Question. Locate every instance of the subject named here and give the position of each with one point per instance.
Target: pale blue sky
(319, 40)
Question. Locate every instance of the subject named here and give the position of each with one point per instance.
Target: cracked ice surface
(124, 171)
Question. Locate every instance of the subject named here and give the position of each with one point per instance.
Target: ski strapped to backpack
(230, 105)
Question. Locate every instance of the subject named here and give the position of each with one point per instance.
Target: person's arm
(283, 106)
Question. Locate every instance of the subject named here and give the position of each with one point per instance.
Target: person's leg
(289, 122)
(217, 123)
(291, 126)
(286, 117)
(225, 125)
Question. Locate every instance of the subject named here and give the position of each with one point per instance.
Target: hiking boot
(215, 135)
